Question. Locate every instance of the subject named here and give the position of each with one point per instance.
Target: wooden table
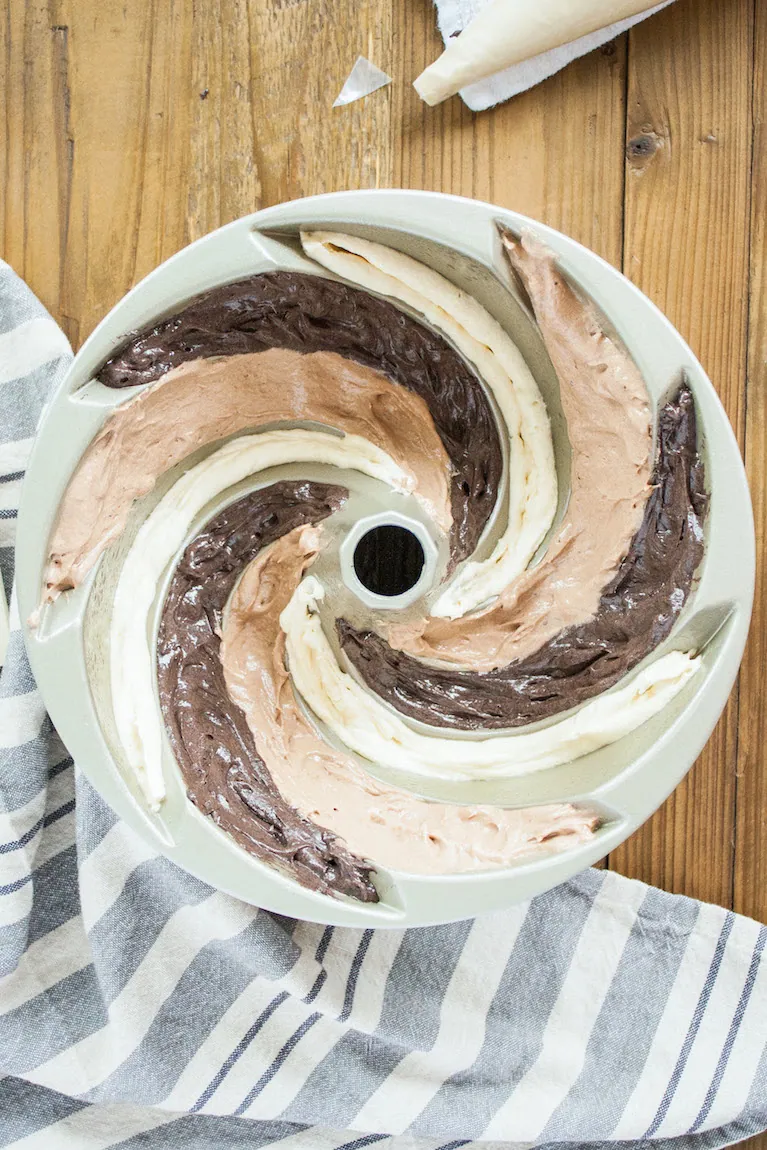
(133, 128)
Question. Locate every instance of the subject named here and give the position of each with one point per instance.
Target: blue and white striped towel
(140, 1008)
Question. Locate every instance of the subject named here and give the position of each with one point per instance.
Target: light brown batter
(608, 420)
(206, 400)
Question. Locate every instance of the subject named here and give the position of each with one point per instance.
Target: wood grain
(554, 153)
(750, 839)
(169, 120)
(688, 149)
(751, 783)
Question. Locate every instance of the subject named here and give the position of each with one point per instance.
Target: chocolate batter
(225, 776)
(636, 611)
(309, 313)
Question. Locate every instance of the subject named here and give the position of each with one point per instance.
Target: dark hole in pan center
(388, 560)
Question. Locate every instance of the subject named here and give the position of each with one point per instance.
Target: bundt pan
(624, 782)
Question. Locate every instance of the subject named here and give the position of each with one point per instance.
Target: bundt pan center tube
(211, 625)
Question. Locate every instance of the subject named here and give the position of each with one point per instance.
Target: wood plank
(302, 53)
(686, 246)
(196, 114)
(554, 153)
(35, 172)
(750, 861)
(751, 804)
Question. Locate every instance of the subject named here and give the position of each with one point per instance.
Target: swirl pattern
(297, 403)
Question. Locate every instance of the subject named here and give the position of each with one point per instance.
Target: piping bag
(506, 32)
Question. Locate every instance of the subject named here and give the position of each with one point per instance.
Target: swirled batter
(308, 313)
(635, 612)
(605, 401)
(205, 400)
(242, 650)
(225, 776)
(387, 824)
(273, 783)
(532, 478)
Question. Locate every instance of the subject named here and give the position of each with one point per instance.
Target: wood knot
(641, 147)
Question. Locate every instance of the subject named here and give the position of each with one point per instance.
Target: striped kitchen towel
(141, 1008)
